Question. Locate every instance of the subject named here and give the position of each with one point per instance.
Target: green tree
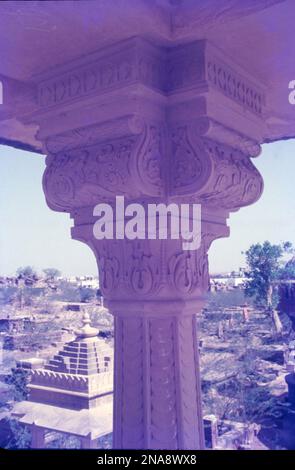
(19, 436)
(26, 276)
(265, 268)
(86, 294)
(51, 273)
(19, 379)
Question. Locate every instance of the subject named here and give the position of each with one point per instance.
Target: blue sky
(32, 234)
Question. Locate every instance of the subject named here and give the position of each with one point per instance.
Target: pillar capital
(139, 120)
(200, 161)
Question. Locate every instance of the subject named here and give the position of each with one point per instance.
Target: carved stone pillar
(175, 125)
(88, 443)
(38, 437)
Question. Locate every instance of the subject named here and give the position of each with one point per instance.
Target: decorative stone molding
(90, 135)
(92, 170)
(90, 385)
(150, 269)
(214, 130)
(133, 61)
(46, 378)
(234, 86)
(235, 181)
(168, 71)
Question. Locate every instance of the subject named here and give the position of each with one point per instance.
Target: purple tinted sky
(32, 234)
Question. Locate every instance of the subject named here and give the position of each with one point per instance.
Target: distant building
(230, 280)
(73, 393)
(90, 282)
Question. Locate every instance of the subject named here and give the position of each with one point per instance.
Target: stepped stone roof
(86, 355)
(80, 376)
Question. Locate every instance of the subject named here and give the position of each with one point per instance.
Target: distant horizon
(32, 234)
(96, 276)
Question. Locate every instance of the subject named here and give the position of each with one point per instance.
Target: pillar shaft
(88, 443)
(157, 400)
(38, 437)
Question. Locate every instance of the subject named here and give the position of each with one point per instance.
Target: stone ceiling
(36, 36)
